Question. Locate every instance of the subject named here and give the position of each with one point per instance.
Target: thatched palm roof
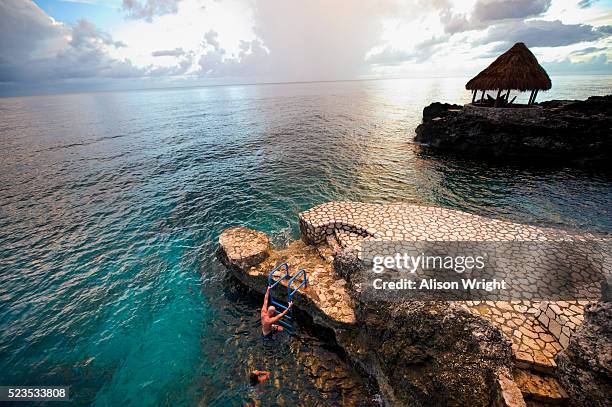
(516, 68)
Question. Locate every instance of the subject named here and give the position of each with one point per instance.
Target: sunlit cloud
(246, 41)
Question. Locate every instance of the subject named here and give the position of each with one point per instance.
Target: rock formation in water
(418, 353)
(585, 367)
(478, 353)
(569, 131)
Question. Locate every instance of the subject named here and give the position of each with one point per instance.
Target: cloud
(177, 52)
(232, 41)
(181, 68)
(596, 65)
(485, 12)
(87, 35)
(586, 3)
(588, 51)
(318, 39)
(491, 10)
(424, 50)
(147, 9)
(541, 33)
(252, 58)
(605, 29)
(35, 48)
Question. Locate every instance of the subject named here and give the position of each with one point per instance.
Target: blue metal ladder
(287, 320)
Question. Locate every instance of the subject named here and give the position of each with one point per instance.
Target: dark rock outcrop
(434, 353)
(570, 131)
(438, 109)
(585, 367)
(346, 263)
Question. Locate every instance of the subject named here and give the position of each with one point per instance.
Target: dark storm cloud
(147, 9)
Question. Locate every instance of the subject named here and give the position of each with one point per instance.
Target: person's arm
(264, 307)
(282, 314)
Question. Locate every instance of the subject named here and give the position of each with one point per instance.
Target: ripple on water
(111, 205)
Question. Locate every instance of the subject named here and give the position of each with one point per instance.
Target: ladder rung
(286, 325)
(276, 304)
(286, 316)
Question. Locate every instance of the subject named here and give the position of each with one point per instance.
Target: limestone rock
(566, 131)
(242, 248)
(346, 263)
(585, 367)
(435, 353)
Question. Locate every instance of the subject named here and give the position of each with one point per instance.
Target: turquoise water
(111, 204)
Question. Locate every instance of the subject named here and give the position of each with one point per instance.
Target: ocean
(111, 205)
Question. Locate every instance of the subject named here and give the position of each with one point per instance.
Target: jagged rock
(242, 248)
(585, 367)
(346, 263)
(438, 109)
(570, 131)
(434, 353)
(540, 388)
(418, 353)
(508, 393)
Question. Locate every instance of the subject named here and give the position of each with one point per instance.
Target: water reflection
(111, 204)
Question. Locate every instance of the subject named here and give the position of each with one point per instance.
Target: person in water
(258, 376)
(268, 320)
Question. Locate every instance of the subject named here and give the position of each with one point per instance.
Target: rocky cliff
(585, 367)
(558, 130)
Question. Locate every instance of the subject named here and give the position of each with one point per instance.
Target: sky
(82, 45)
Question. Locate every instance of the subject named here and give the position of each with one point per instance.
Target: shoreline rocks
(417, 353)
(481, 353)
(559, 130)
(585, 367)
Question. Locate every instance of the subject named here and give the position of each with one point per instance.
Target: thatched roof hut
(516, 69)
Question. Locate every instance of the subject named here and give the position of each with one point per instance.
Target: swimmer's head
(271, 310)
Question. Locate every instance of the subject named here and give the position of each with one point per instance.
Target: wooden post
(535, 95)
(474, 95)
(497, 98)
(530, 98)
(482, 95)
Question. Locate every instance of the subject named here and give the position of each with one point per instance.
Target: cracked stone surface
(538, 330)
(244, 247)
(325, 292)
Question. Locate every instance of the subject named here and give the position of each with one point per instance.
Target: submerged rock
(571, 131)
(585, 367)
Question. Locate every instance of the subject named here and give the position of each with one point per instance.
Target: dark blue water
(111, 204)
